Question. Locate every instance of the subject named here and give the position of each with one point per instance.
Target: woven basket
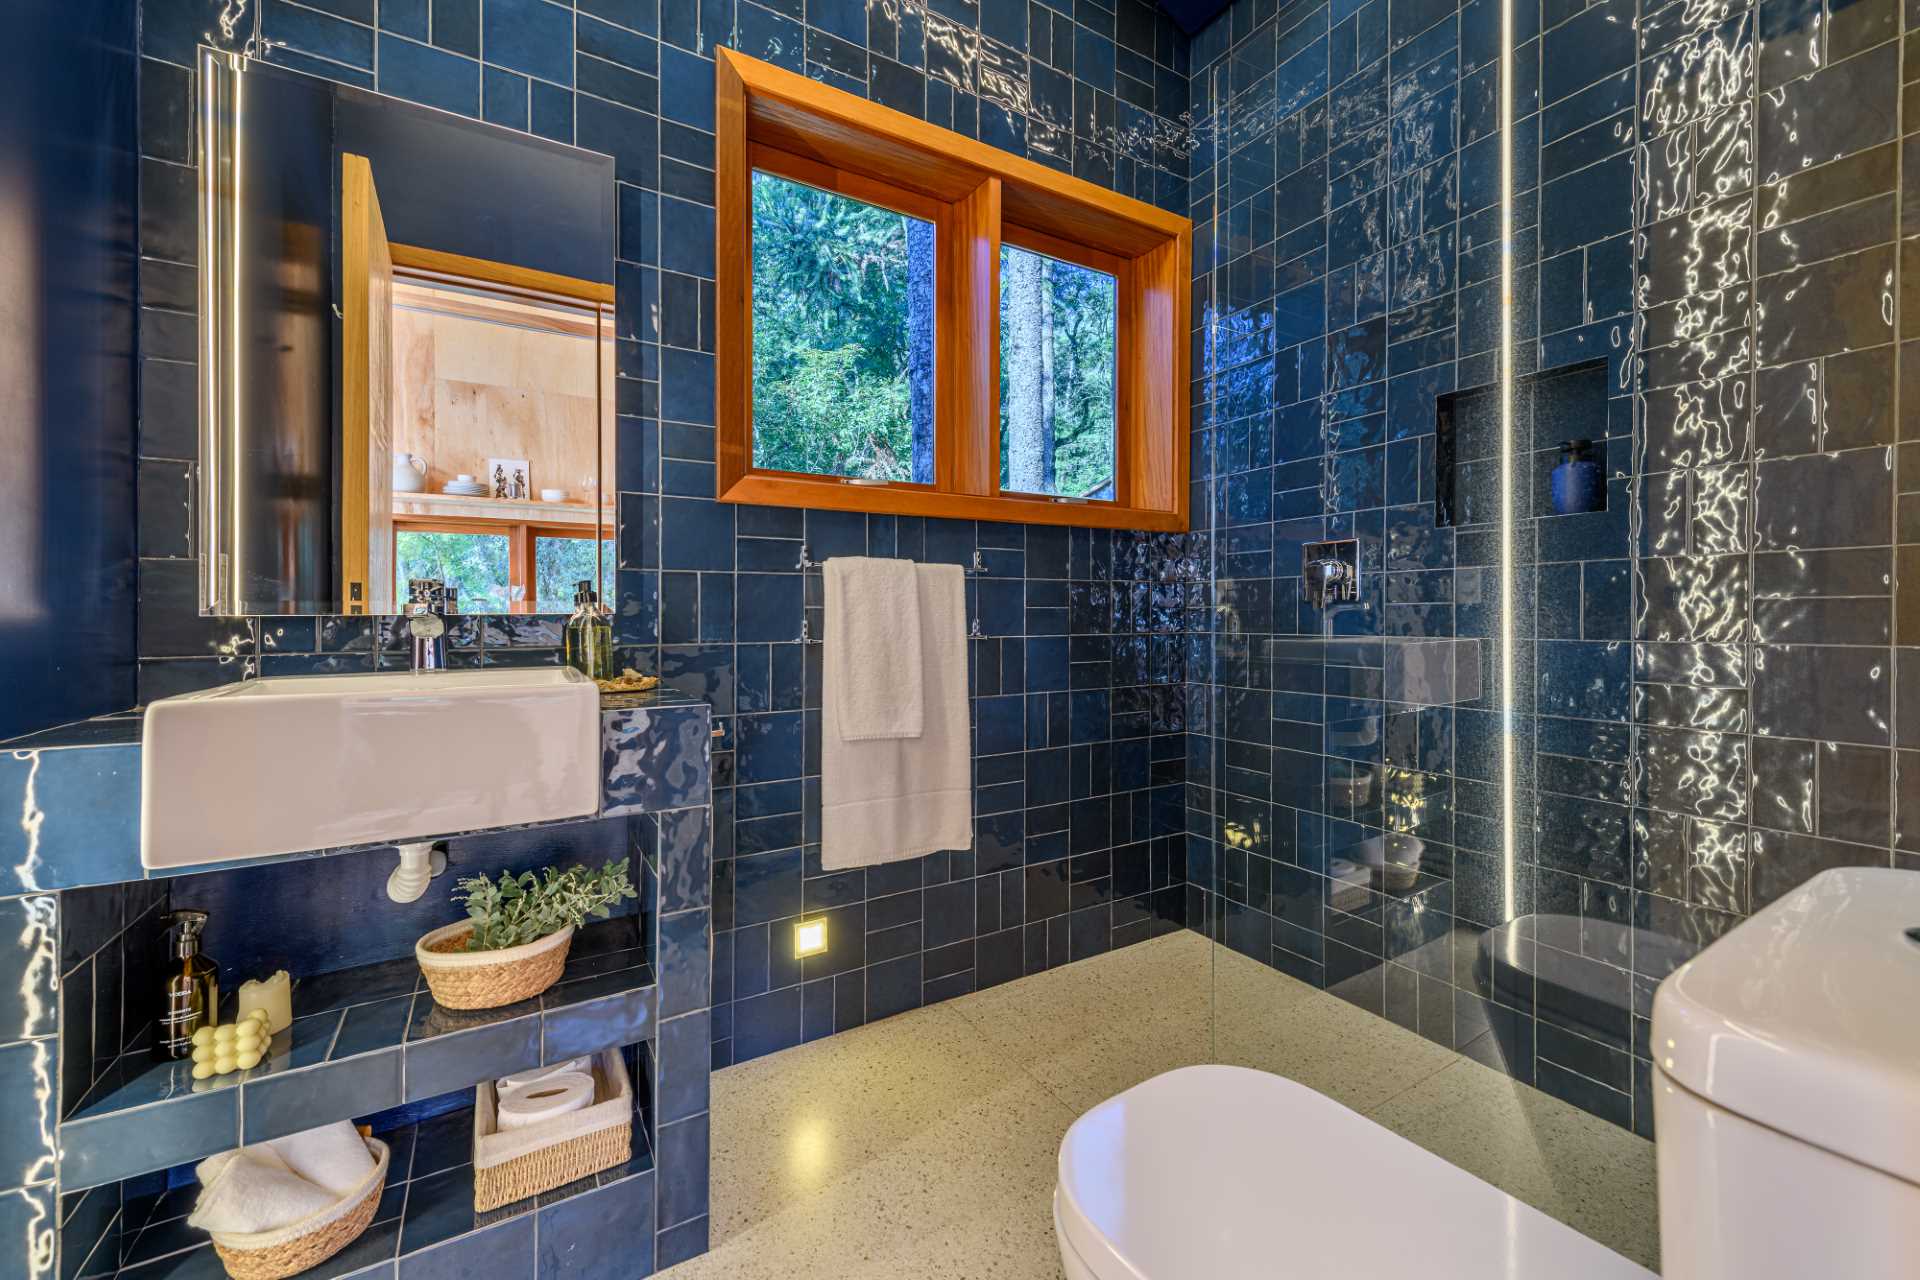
(462, 979)
(289, 1250)
(513, 1164)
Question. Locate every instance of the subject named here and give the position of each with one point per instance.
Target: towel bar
(809, 565)
(977, 566)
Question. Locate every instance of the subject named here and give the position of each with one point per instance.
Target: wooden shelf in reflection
(446, 506)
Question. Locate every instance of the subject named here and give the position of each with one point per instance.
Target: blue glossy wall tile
(30, 967)
(28, 1217)
(70, 644)
(574, 1234)
(283, 1104)
(319, 915)
(507, 1249)
(637, 84)
(120, 1146)
(682, 1144)
(29, 1074)
(449, 1062)
(655, 758)
(682, 1241)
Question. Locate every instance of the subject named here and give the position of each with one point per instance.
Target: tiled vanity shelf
(369, 1039)
(427, 1206)
(366, 1039)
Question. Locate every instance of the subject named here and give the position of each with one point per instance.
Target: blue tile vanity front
(76, 789)
(98, 1166)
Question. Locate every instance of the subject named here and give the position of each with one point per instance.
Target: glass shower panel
(1546, 439)
(1348, 821)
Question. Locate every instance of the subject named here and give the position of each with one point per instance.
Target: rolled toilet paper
(551, 1098)
(534, 1075)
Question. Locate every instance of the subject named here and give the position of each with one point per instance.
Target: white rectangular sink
(289, 764)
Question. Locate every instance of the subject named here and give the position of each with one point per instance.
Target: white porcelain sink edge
(292, 764)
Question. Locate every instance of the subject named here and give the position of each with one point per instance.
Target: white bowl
(553, 495)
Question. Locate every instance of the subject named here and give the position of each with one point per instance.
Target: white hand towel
(872, 660)
(333, 1157)
(253, 1190)
(887, 799)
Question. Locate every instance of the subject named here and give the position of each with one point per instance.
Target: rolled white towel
(333, 1156)
(251, 1190)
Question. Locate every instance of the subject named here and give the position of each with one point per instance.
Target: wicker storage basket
(289, 1250)
(513, 1164)
(462, 979)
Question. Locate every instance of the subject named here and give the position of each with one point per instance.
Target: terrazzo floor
(924, 1145)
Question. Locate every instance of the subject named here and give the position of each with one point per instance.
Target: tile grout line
(975, 1028)
(1444, 1067)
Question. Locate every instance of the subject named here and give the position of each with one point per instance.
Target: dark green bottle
(589, 638)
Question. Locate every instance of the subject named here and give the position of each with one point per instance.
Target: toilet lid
(1802, 1018)
(1223, 1173)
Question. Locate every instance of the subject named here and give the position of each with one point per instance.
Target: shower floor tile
(923, 1145)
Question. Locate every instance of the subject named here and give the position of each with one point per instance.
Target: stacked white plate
(471, 489)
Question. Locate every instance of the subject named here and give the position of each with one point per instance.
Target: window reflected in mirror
(501, 434)
(476, 565)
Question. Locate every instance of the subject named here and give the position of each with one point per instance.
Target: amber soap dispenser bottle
(192, 998)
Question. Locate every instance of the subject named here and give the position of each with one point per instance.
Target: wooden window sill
(764, 490)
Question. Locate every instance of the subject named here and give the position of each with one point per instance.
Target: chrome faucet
(1326, 578)
(429, 601)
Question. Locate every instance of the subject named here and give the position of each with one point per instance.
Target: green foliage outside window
(1057, 355)
(559, 563)
(473, 563)
(842, 335)
(843, 349)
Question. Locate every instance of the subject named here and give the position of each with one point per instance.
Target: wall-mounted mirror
(406, 353)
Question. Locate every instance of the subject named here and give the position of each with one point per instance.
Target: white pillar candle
(275, 995)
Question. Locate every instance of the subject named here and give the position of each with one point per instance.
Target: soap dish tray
(513, 1164)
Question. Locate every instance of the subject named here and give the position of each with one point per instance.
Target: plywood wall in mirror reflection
(480, 376)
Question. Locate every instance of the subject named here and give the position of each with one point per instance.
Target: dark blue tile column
(678, 849)
(674, 845)
(31, 1068)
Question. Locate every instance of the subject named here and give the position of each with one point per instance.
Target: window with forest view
(843, 337)
(1057, 365)
(474, 564)
(480, 566)
(560, 564)
(912, 322)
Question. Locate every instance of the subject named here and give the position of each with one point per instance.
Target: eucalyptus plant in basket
(514, 942)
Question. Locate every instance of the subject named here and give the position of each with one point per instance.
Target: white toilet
(1787, 1104)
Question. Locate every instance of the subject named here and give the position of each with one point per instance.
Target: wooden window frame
(773, 120)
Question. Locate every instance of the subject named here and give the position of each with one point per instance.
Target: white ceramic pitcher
(409, 473)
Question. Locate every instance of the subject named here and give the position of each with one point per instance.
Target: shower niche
(1562, 418)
